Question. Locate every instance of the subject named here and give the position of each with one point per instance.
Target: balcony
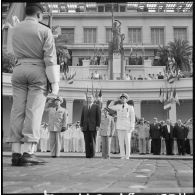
(139, 89)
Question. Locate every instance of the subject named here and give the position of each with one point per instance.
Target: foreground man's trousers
(29, 84)
(55, 143)
(124, 138)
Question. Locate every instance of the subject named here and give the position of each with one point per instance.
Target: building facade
(86, 32)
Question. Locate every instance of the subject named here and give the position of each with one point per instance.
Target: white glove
(55, 88)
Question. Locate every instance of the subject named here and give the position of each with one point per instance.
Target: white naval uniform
(125, 125)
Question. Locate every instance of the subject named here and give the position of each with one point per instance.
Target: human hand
(55, 88)
(97, 128)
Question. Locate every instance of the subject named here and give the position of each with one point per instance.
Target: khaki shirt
(57, 119)
(33, 41)
(107, 127)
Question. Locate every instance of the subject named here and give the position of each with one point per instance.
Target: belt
(30, 61)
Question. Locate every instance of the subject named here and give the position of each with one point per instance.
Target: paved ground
(75, 173)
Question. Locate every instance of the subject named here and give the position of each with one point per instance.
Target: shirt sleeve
(49, 49)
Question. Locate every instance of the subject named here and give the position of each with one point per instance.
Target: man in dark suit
(168, 135)
(155, 135)
(90, 124)
(180, 132)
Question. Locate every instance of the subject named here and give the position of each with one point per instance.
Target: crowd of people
(142, 137)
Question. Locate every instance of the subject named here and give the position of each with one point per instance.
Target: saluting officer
(125, 124)
(34, 47)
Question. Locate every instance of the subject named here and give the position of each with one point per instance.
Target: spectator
(150, 76)
(160, 76)
(96, 75)
(127, 77)
(148, 144)
(168, 135)
(141, 129)
(140, 77)
(181, 135)
(190, 134)
(163, 146)
(107, 128)
(92, 75)
(155, 134)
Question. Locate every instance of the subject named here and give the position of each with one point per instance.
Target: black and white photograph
(97, 97)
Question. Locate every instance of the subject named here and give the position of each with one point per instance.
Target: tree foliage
(180, 51)
(8, 61)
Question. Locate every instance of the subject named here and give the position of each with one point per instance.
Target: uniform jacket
(90, 119)
(40, 39)
(107, 126)
(155, 131)
(165, 133)
(180, 131)
(190, 132)
(142, 131)
(57, 119)
(125, 117)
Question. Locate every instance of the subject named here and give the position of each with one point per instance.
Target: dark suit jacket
(155, 131)
(180, 132)
(90, 119)
(165, 132)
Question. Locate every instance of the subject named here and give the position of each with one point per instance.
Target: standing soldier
(190, 134)
(57, 124)
(155, 134)
(34, 49)
(125, 124)
(141, 128)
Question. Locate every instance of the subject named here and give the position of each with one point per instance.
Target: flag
(100, 95)
(167, 105)
(69, 77)
(96, 94)
(15, 14)
(92, 88)
(175, 96)
(170, 78)
(161, 98)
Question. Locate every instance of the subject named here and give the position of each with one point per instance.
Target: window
(157, 36)
(89, 35)
(108, 35)
(5, 33)
(68, 35)
(122, 8)
(180, 33)
(134, 35)
(100, 8)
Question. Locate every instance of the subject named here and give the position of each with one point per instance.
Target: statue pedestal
(116, 66)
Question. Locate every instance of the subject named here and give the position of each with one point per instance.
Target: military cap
(59, 98)
(124, 95)
(35, 5)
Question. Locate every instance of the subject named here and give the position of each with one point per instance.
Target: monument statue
(116, 35)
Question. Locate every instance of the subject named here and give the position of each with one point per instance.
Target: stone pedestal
(116, 66)
(148, 63)
(172, 112)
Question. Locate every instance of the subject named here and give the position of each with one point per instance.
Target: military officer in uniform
(57, 124)
(34, 48)
(125, 124)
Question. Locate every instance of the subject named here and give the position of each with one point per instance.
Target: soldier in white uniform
(125, 124)
(57, 124)
(34, 48)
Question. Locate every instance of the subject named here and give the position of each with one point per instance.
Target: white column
(69, 107)
(173, 112)
(137, 108)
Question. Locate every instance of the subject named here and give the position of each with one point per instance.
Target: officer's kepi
(35, 5)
